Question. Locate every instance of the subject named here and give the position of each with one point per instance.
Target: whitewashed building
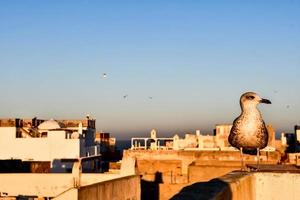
(49, 144)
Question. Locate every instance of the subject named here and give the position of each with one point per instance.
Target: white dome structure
(48, 125)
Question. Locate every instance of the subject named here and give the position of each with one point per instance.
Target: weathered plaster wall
(177, 169)
(122, 188)
(277, 186)
(59, 185)
(38, 149)
(246, 186)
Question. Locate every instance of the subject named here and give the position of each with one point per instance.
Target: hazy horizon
(169, 65)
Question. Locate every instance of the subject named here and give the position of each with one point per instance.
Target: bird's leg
(257, 162)
(242, 159)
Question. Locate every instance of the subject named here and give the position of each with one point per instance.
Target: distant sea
(123, 144)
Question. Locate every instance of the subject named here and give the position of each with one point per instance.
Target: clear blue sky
(194, 58)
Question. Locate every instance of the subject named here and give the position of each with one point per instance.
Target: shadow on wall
(19, 166)
(13, 166)
(213, 189)
(61, 167)
(150, 189)
(88, 166)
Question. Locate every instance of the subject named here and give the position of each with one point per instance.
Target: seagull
(249, 132)
(150, 97)
(104, 75)
(125, 96)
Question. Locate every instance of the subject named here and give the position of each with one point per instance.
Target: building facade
(54, 143)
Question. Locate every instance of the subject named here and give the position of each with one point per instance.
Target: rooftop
(18, 122)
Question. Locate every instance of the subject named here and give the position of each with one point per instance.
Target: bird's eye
(250, 97)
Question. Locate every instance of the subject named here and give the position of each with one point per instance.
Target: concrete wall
(246, 186)
(189, 156)
(45, 185)
(71, 194)
(91, 178)
(205, 171)
(242, 186)
(264, 185)
(122, 188)
(234, 186)
(170, 170)
(62, 187)
(277, 186)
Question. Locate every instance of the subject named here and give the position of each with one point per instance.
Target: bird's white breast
(250, 127)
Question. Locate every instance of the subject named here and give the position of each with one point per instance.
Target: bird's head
(251, 99)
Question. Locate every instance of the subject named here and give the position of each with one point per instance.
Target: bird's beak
(267, 101)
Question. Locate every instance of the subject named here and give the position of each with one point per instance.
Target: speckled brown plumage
(249, 130)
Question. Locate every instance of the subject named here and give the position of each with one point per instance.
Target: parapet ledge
(234, 185)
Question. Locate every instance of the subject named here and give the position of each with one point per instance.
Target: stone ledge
(245, 185)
